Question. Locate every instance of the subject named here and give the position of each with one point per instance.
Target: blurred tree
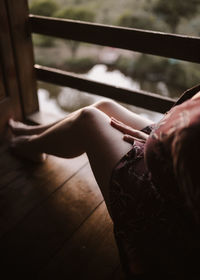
(141, 20)
(173, 10)
(178, 74)
(76, 13)
(43, 8)
(191, 27)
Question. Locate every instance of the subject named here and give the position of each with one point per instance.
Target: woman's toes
(17, 142)
(18, 128)
(11, 123)
(20, 148)
(15, 126)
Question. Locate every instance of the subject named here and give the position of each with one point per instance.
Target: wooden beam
(149, 42)
(138, 98)
(9, 92)
(23, 53)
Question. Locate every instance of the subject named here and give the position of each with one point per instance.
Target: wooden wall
(18, 90)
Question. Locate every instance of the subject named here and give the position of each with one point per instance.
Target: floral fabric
(151, 223)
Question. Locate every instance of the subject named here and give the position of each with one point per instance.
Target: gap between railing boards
(138, 98)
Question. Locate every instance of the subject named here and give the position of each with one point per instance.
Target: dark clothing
(153, 227)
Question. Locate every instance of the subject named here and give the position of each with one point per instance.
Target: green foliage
(76, 13)
(141, 20)
(43, 41)
(50, 62)
(181, 75)
(149, 69)
(191, 27)
(129, 19)
(124, 64)
(173, 10)
(43, 7)
(79, 65)
(51, 88)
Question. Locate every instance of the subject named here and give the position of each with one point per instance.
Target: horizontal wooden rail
(149, 42)
(137, 97)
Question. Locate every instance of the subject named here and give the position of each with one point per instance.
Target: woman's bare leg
(119, 112)
(89, 131)
(19, 128)
(109, 107)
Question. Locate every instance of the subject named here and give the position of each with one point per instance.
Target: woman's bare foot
(19, 128)
(20, 146)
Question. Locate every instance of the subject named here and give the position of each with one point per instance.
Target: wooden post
(10, 104)
(23, 54)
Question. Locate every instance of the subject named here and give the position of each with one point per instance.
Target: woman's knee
(88, 113)
(105, 105)
(91, 123)
(89, 116)
(91, 120)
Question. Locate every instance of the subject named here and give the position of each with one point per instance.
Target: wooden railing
(149, 42)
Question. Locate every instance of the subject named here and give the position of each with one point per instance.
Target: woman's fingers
(128, 130)
(120, 126)
(130, 139)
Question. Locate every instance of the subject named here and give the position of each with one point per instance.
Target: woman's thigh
(114, 109)
(103, 144)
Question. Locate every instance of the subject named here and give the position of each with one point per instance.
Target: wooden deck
(53, 222)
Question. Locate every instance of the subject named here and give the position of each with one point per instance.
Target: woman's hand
(130, 134)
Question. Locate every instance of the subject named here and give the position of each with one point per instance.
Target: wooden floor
(53, 221)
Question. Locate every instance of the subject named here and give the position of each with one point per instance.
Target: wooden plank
(91, 252)
(12, 170)
(118, 274)
(6, 111)
(32, 243)
(23, 51)
(149, 42)
(41, 117)
(138, 98)
(10, 100)
(2, 88)
(32, 185)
